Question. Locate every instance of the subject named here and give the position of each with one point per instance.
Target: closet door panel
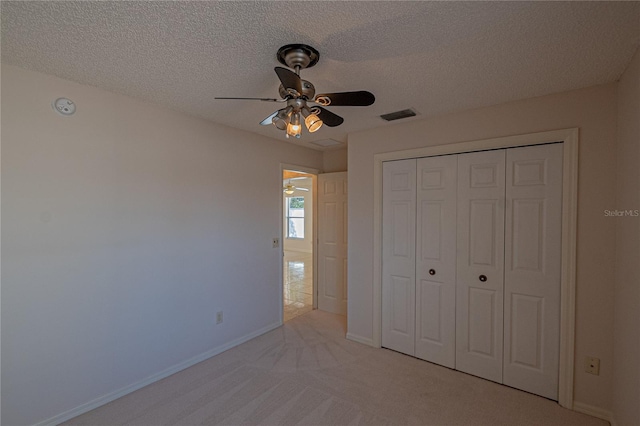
(436, 259)
(398, 255)
(480, 264)
(533, 268)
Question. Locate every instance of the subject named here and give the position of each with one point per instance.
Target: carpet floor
(307, 373)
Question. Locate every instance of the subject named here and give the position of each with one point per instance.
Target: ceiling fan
(289, 188)
(300, 97)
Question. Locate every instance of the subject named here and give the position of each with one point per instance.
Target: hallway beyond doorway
(298, 284)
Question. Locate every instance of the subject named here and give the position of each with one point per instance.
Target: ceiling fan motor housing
(298, 56)
(308, 90)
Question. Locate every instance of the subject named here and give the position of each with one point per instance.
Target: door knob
(432, 271)
(482, 278)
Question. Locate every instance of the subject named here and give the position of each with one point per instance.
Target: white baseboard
(594, 411)
(74, 412)
(364, 340)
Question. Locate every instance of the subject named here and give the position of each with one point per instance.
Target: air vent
(398, 115)
(326, 142)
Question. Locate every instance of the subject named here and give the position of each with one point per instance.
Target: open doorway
(298, 243)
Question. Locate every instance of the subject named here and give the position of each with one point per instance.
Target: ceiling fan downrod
(298, 56)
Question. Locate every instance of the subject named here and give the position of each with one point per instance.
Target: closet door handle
(432, 271)
(482, 278)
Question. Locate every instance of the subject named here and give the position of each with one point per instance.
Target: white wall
(593, 110)
(124, 229)
(626, 326)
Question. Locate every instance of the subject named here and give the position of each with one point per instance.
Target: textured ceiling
(435, 57)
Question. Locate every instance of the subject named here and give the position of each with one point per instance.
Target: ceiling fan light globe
(294, 130)
(313, 122)
(295, 119)
(279, 123)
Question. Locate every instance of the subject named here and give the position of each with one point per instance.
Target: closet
(471, 263)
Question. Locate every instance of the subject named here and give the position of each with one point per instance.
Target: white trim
(568, 279)
(569, 137)
(590, 410)
(105, 399)
(314, 242)
(360, 339)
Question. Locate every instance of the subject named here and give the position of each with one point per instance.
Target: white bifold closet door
(509, 266)
(419, 258)
(471, 265)
(533, 269)
(436, 260)
(480, 263)
(398, 254)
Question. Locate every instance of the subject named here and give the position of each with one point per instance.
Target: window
(295, 217)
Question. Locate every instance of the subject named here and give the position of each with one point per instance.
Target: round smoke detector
(64, 106)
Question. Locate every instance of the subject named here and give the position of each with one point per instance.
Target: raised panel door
(436, 259)
(398, 255)
(480, 263)
(332, 242)
(533, 268)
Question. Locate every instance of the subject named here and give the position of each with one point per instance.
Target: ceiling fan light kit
(289, 188)
(312, 122)
(297, 93)
(293, 128)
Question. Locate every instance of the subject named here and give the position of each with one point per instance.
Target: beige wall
(626, 330)
(593, 111)
(334, 161)
(125, 228)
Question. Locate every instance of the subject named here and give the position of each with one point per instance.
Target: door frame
(314, 197)
(569, 138)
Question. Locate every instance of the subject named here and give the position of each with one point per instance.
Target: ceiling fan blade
(289, 79)
(301, 189)
(269, 119)
(329, 118)
(255, 99)
(360, 98)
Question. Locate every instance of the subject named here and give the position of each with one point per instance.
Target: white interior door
(532, 269)
(332, 242)
(398, 255)
(480, 264)
(436, 259)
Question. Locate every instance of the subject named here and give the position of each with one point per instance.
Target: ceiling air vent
(326, 142)
(398, 115)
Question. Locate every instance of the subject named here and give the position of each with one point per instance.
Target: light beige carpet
(307, 373)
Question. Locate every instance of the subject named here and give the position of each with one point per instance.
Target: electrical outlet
(219, 317)
(592, 365)
(276, 242)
